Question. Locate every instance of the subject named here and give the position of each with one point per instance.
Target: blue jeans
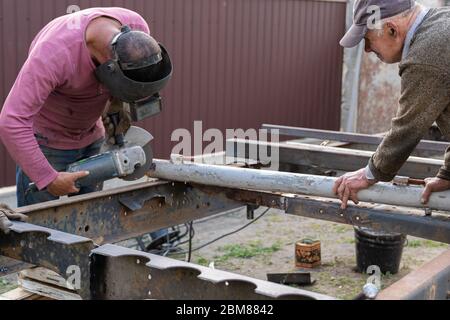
(59, 160)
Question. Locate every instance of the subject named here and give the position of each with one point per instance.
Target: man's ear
(392, 29)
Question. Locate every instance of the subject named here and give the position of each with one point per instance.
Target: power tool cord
(192, 233)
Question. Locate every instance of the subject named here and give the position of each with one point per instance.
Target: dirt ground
(268, 246)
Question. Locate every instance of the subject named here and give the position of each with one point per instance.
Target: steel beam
(327, 158)
(408, 221)
(50, 249)
(111, 272)
(381, 218)
(430, 282)
(424, 145)
(124, 274)
(123, 213)
(285, 182)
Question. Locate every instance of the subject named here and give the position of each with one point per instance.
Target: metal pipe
(284, 182)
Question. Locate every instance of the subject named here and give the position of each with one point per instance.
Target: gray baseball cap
(363, 11)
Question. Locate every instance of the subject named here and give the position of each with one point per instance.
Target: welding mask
(143, 97)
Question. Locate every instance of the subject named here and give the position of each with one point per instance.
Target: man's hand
(348, 186)
(7, 214)
(434, 185)
(64, 184)
(116, 107)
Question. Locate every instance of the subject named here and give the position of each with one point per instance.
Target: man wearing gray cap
(419, 38)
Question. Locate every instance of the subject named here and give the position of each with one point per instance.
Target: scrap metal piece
(121, 273)
(66, 254)
(406, 181)
(297, 278)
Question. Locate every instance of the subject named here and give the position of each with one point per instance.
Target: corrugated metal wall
(238, 63)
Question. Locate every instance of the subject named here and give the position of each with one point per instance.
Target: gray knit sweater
(425, 97)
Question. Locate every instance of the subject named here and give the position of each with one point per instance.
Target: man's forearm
(24, 149)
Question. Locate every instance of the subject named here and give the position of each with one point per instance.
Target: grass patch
(346, 241)
(275, 219)
(342, 287)
(414, 243)
(6, 286)
(342, 229)
(248, 251)
(202, 261)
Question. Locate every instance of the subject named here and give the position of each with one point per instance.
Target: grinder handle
(115, 119)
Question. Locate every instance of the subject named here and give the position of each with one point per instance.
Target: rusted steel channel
(408, 221)
(111, 272)
(121, 273)
(124, 213)
(116, 272)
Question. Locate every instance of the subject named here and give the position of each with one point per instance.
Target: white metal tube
(284, 182)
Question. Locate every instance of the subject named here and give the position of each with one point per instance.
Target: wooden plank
(48, 291)
(45, 276)
(17, 294)
(47, 284)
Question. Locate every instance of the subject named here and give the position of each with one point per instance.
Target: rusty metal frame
(121, 273)
(124, 213)
(325, 158)
(408, 221)
(111, 272)
(57, 250)
(59, 235)
(424, 145)
(51, 249)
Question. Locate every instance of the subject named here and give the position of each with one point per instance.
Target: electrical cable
(190, 251)
(191, 236)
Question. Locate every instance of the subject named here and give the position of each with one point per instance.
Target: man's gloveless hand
(64, 184)
(434, 185)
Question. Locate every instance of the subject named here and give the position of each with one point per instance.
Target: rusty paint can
(308, 254)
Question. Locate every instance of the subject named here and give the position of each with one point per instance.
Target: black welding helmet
(143, 97)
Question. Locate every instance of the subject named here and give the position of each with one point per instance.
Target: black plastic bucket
(378, 249)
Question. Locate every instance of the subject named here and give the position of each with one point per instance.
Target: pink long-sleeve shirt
(56, 95)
